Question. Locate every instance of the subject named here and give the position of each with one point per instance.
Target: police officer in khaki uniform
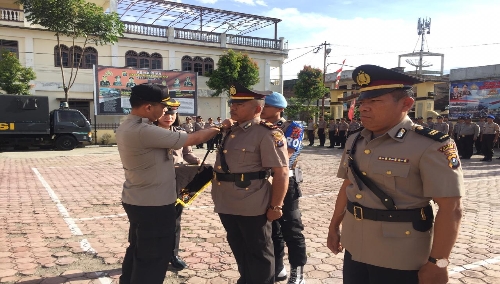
(477, 143)
(440, 125)
(242, 193)
(489, 136)
(469, 132)
(353, 126)
(450, 124)
(392, 170)
(321, 131)
(456, 133)
(199, 125)
(311, 126)
(342, 132)
(429, 123)
(149, 190)
(332, 131)
(188, 125)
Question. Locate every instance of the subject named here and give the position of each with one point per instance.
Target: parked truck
(25, 121)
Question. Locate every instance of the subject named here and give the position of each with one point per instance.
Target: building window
(187, 63)
(131, 59)
(90, 58)
(208, 66)
(156, 61)
(62, 52)
(143, 60)
(10, 45)
(76, 54)
(198, 65)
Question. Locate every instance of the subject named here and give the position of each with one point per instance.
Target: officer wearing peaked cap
(242, 193)
(392, 170)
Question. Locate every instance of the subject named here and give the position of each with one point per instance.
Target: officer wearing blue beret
(288, 228)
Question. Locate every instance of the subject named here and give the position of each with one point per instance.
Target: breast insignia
(268, 124)
(431, 133)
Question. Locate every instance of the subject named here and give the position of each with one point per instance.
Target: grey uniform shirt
(412, 169)
(310, 126)
(250, 147)
(443, 127)
(353, 126)
(322, 124)
(149, 169)
(490, 128)
(469, 129)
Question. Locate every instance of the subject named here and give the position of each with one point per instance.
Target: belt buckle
(355, 213)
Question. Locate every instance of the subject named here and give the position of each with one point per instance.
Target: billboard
(476, 98)
(113, 86)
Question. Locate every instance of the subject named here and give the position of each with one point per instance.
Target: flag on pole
(338, 75)
(350, 114)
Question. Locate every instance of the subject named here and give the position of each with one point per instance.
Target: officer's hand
(227, 123)
(432, 274)
(333, 240)
(273, 215)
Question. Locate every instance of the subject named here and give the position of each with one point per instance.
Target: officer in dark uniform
(288, 228)
(242, 193)
(321, 131)
(392, 170)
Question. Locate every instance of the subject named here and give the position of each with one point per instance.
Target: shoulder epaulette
(268, 124)
(179, 128)
(431, 133)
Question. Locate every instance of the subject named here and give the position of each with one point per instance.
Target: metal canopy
(184, 16)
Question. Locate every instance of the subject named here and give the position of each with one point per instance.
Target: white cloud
(252, 2)
(380, 41)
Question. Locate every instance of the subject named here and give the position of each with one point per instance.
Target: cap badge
(232, 90)
(363, 78)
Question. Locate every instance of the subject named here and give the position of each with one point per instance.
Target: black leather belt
(405, 215)
(242, 177)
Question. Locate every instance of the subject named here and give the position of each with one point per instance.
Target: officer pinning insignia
(268, 124)
(278, 139)
(393, 159)
(431, 133)
(401, 133)
(451, 153)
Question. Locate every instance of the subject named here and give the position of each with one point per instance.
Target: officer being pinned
(242, 193)
(392, 170)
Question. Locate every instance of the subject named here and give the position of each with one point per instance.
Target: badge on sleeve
(278, 139)
(451, 153)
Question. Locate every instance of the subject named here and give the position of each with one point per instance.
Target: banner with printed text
(474, 99)
(113, 87)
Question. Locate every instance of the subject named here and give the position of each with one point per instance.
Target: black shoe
(341, 148)
(477, 153)
(178, 263)
(331, 147)
(498, 158)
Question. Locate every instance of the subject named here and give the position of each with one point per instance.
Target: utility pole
(327, 51)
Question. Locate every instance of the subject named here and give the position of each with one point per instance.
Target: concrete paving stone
(5, 254)
(472, 281)
(27, 272)
(196, 280)
(24, 260)
(7, 272)
(65, 261)
(491, 280)
(62, 254)
(10, 279)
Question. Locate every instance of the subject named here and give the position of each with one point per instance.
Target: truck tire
(65, 143)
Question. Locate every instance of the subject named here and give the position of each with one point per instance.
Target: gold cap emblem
(232, 91)
(363, 78)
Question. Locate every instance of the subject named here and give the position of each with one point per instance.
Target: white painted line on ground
(471, 266)
(476, 180)
(101, 217)
(84, 244)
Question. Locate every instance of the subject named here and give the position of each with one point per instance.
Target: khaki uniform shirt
(199, 126)
(481, 125)
(311, 126)
(450, 130)
(250, 147)
(457, 127)
(322, 124)
(343, 126)
(442, 127)
(469, 129)
(147, 162)
(490, 128)
(185, 154)
(188, 127)
(412, 169)
(353, 126)
(209, 125)
(332, 126)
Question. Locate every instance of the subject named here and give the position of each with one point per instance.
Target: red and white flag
(350, 114)
(338, 75)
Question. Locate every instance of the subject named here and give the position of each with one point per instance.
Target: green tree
(76, 19)
(310, 88)
(14, 78)
(233, 67)
(295, 109)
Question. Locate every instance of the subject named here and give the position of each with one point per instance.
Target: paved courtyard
(61, 221)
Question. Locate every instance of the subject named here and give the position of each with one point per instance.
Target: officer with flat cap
(489, 136)
(149, 190)
(288, 228)
(392, 170)
(241, 190)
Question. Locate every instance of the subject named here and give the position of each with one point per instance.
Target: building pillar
(336, 107)
(115, 57)
(170, 34)
(223, 40)
(267, 74)
(171, 60)
(424, 100)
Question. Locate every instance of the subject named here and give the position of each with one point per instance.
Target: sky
(376, 32)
